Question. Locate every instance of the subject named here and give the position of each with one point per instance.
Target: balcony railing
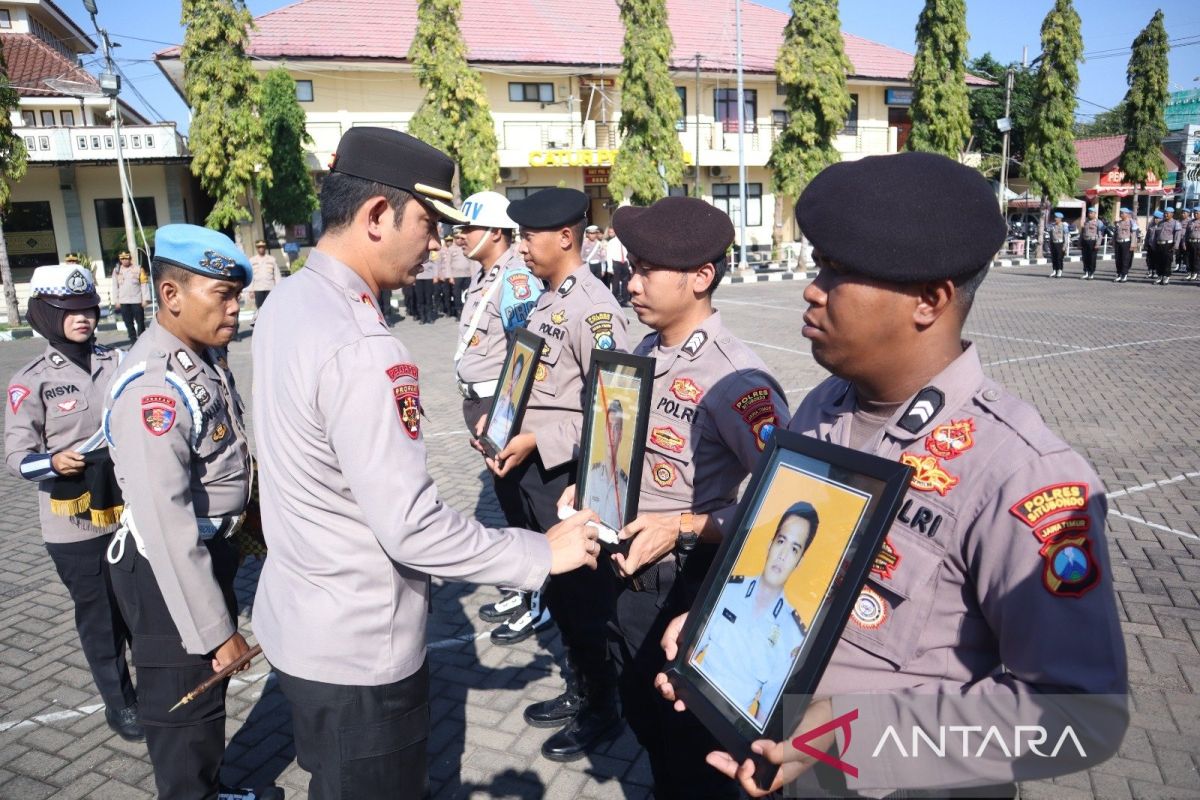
(138, 142)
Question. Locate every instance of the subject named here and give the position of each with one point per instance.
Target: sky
(1109, 26)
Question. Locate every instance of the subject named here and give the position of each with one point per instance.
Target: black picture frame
(842, 478)
(615, 377)
(523, 344)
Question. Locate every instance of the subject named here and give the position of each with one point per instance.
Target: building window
(852, 119)
(96, 143)
(5, 18)
(29, 235)
(678, 191)
(681, 123)
(725, 197)
(111, 224)
(521, 192)
(44, 142)
(304, 91)
(137, 141)
(725, 109)
(780, 117)
(108, 142)
(68, 118)
(81, 142)
(47, 119)
(531, 92)
(30, 143)
(29, 119)
(149, 140)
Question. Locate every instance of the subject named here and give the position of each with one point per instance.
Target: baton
(208, 683)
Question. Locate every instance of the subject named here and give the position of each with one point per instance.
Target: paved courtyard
(1115, 369)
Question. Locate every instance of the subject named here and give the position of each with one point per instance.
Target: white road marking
(778, 347)
(1145, 487)
(1127, 321)
(1018, 339)
(1155, 525)
(1090, 350)
(457, 640)
(53, 716)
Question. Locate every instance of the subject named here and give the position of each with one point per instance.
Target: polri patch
(475, 339)
(158, 413)
(667, 438)
(1074, 524)
(202, 395)
(687, 390)
(602, 329)
(952, 439)
(870, 609)
(928, 474)
(542, 373)
(220, 432)
(16, 395)
(559, 317)
(408, 405)
(886, 560)
(1050, 500)
(1069, 569)
(520, 285)
(664, 474)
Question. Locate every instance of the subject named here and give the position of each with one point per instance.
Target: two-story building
(70, 199)
(550, 70)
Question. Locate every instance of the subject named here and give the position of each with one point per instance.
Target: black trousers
(1088, 252)
(134, 317)
(186, 746)
(1193, 256)
(103, 634)
(1124, 256)
(410, 301)
(1164, 260)
(426, 309)
(580, 601)
(361, 742)
(675, 743)
(260, 298)
(442, 292)
(620, 286)
(1056, 256)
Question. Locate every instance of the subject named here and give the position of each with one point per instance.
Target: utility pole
(1006, 126)
(741, 118)
(110, 85)
(699, 185)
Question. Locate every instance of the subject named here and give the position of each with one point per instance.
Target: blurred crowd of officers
(1171, 243)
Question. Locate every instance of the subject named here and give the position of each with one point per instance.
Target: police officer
(1060, 236)
(461, 271)
(1185, 220)
(265, 274)
(174, 423)
(128, 295)
(1192, 236)
(1163, 240)
(994, 579)
(1125, 244)
(443, 280)
(595, 253)
(425, 288)
(350, 514)
(52, 417)
(1089, 240)
(714, 407)
(576, 315)
(501, 294)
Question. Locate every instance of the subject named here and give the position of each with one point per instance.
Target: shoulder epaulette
(122, 382)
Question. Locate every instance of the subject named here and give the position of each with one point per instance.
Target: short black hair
(162, 271)
(577, 231)
(719, 268)
(342, 195)
(803, 510)
(966, 285)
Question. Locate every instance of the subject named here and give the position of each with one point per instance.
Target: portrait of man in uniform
(513, 390)
(608, 480)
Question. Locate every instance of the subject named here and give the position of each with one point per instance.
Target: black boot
(503, 608)
(124, 721)
(528, 618)
(557, 711)
(599, 718)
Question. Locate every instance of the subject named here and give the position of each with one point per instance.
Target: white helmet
(487, 210)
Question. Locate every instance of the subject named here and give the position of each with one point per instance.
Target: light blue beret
(1169, 209)
(1126, 211)
(202, 251)
(1058, 215)
(1158, 215)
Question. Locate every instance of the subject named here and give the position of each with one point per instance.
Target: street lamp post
(741, 118)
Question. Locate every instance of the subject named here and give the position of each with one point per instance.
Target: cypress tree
(811, 67)
(1145, 121)
(227, 138)
(1051, 165)
(941, 119)
(651, 155)
(454, 116)
(12, 169)
(289, 198)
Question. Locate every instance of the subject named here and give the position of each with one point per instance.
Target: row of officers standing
(355, 526)
(1170, 245)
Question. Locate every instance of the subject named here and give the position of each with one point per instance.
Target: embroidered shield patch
(16, 395)
(158, 413)
(408, 405)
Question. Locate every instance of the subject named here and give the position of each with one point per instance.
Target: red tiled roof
(1098, 153)
(546, 32)
(31, 61)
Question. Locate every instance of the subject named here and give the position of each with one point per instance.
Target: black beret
(917, 217)
(401, 161)
(549, 209)
(679, 232)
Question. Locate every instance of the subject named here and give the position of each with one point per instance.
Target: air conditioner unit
(716, 172)
(689, 171)
(512, 175)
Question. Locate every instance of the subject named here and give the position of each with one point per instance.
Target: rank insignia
(664, 474)
(202, 395)
(408, 404)
(567, 286)
(67, 405)
(602, 329)
(158, 413)
(886, 560)
(16, 395)
(542, 373)
(520, 286)
(220, 432)
(1050, 500)
(57, 360)
(952, 439)
(686, 389)
(694, 343)
(870, 609)
(667, 438)
(928, 474)
(185, 360)
(558, 317)
(1069, 569)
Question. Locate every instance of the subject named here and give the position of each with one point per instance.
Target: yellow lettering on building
(581, 158)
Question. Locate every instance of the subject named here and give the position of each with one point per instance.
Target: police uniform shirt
(174, 422)
(1167, 233)
(581, 315)
(1127, 230)
(1091, 229)
(427, 273)
(605, 496)
(1058, 232)
(1192, 232)
(127, 285)
(715, 406)
(54, 405)
(747, 651)
(460, 265)
(594, 252)
(995, 576)
(507, 310)
(266, 272)
(350, 513)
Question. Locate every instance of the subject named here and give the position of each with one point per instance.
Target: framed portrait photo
(512, 391)
(775, 601)
(616, 413)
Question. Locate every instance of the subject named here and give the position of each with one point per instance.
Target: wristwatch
(687, 539)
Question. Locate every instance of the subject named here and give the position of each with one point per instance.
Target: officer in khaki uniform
(174, 423)
(265, 274)
(576, 315)
(1125, 244)
(51, 420)
(460, 269)
(128, 295)
(1192, 243)
(714, 407)
(352, 518)
(993, 584)
(1089, 240)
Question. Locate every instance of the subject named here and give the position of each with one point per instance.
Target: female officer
(54, 409)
